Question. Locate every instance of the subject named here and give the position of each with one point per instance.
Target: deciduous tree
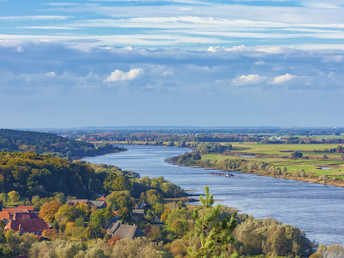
(14, 196)
(49, 209)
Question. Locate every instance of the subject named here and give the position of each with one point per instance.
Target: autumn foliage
(112, 241)
(49, 209)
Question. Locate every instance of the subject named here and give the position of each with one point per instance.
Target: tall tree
(215, 234)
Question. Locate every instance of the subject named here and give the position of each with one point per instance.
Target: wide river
(317, 209)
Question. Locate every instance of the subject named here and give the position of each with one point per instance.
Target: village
(25, 220)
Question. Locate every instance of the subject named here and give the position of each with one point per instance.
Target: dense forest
(43, 143)
(32, 174)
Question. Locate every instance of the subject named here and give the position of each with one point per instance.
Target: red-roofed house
(7, 213)
(28, 208)
(27, 223)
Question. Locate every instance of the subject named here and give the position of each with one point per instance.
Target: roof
(5, 215)
(78, 201)
(125, 230)
(27, 207)
(14, 210)
(98, 203)
(23, 216)
(138, 211)
(26, 223)
(102, 198)
(8, 213)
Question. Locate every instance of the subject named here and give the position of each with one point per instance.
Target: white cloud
(271, 49)
(50, 74)
(61, 4)
(119, 75)
(242, 48)
(283, 78)
(49, 27)
(237, 48)
(9, 43)
(215, 49)
(331, 4)
(231, 49)
(260, 63)
(333, 59)
(248, 79)
(33, 18)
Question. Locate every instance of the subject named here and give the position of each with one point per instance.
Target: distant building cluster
(24, 219)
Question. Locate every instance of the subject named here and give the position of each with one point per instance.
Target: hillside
(46, 143)
(33, 174)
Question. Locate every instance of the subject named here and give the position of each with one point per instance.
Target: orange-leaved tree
(49, 209)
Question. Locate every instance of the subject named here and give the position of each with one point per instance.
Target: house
(7, 213)
(100, 204)
(137, 214)
(125, 230)
(78, 201)
(25, 222)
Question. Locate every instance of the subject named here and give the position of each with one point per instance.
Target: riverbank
(308, 169)
(276, 173)
(306, 162)
(304, 205)
(101, 153)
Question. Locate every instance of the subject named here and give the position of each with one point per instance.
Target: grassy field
(283, 149)
(279, 155)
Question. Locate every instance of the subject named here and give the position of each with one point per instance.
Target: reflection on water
(314, 208)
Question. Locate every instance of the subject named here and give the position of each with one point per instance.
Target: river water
(314, 208)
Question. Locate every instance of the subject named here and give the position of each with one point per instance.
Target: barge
(221, 174)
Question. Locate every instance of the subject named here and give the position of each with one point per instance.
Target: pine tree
(216, 236)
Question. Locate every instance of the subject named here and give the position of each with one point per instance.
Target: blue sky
(185, 62)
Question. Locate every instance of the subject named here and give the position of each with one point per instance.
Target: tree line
(32, 174)
(44, 143)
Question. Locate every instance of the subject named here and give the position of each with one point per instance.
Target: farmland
(317, 160)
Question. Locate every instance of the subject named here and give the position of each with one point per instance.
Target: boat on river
(221, 174)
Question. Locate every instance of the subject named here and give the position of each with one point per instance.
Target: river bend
(316, 209)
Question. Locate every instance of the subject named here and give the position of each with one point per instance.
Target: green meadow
(279, 155)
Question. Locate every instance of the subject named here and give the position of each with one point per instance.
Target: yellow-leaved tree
(49, 209)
